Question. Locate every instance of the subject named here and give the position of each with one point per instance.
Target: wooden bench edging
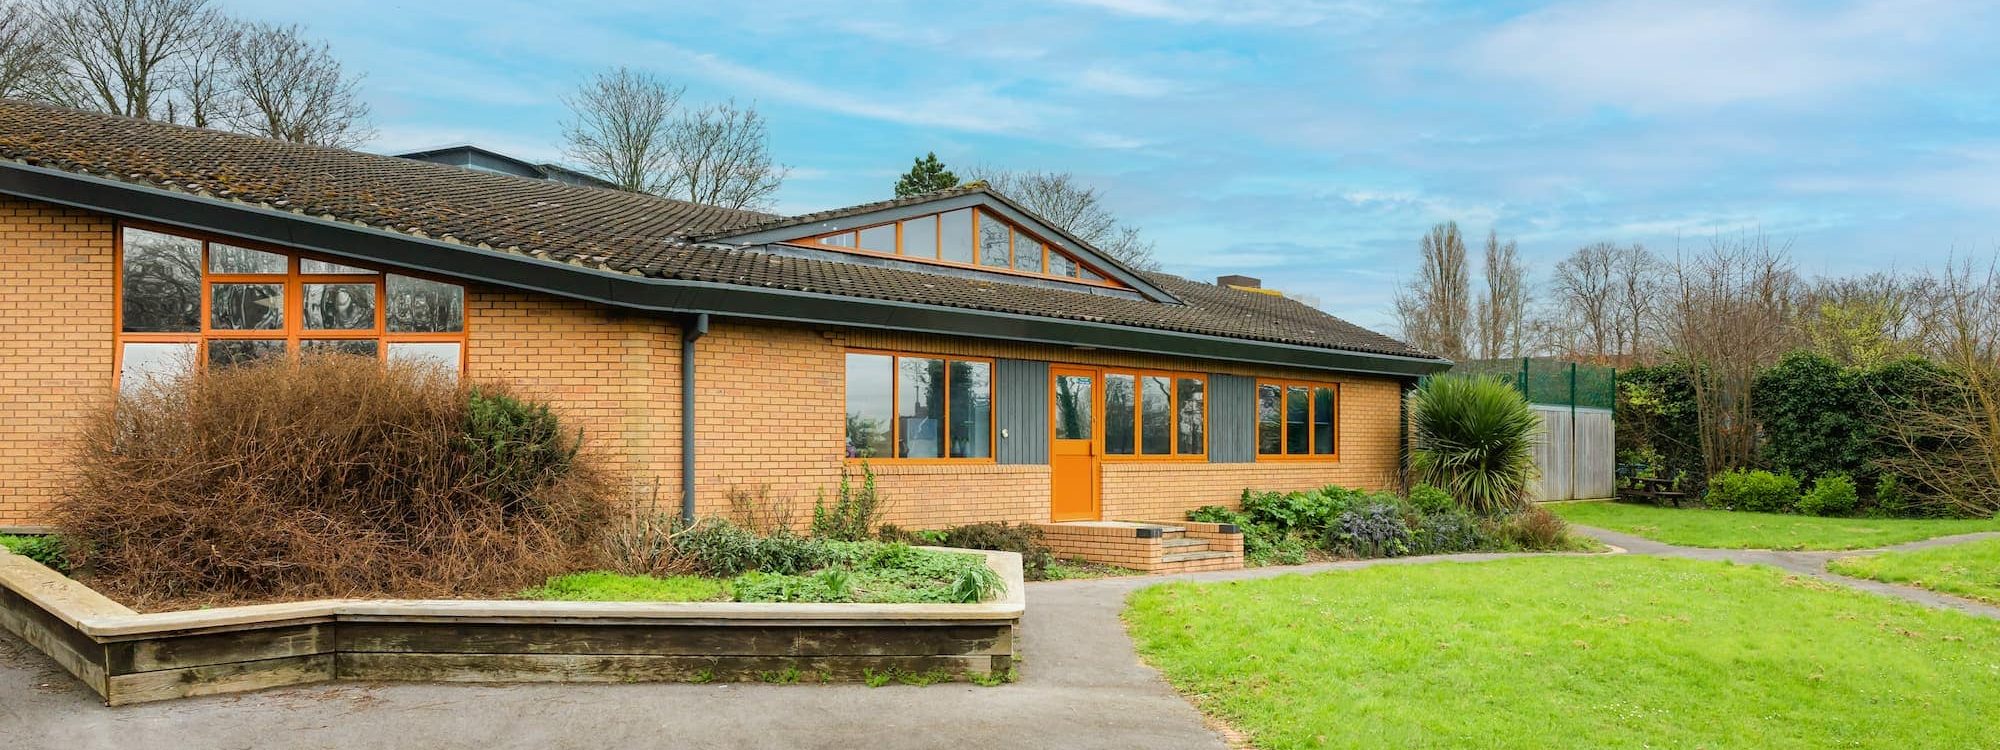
(129, 657)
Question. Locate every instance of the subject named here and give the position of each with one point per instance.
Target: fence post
(1573, 447)
(1521, 381)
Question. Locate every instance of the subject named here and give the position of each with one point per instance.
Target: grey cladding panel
(1232, 419)
(1021, 408)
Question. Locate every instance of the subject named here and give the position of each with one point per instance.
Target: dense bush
(1831, 495)
(1284, 528)
(1027, 540)
(330, 476)
(1753, 490)
(717, 547)
(1658, 424)
(875, 572)
(1890, 499)
(1475, 439)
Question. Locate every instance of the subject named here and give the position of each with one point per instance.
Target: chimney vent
(1250, 282)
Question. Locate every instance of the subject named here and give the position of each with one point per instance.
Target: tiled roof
(626, 232)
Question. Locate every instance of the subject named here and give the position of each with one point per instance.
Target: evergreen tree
(926, 175)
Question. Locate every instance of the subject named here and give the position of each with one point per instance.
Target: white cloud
(1654, 55)
(1105, 80)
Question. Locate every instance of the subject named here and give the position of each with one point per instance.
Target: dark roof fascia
(979, 199)
(347, 240)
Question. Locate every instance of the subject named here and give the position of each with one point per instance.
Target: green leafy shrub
(1474, 439)
(1022, 538)
(45, 549)
(1752, 490)
(718, 547)
(1426, 499)
(1372, 530)
(1446, 531)
(1831, 495)
(1286, 549)
(1891, 500)
(855, 512)
(515, 446)
(1658, 420)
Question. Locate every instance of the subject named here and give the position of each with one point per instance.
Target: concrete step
(1184, 544)
(1187, 556)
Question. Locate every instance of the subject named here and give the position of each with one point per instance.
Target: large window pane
(1297, 404)
(232, 259)
(1062, 265)
(1193, 420)
(425, 306)
(356, 347)
(844, 239)
(1270, 428)
(1073, 407)
(308, 265)
(246, 307)
(1118, 410)
(1156, 418)
(141, 363)
(162, 282)
(1323, 421)
(920, 237)
(971, 410)
(992, 241)
(881, 239)
(870, 384)
(919, 407)
(339, 307)
(226, 352)
(442, 355)
(955, 236)
(1027, 253)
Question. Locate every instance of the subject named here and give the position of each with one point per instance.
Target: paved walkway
(1083, 688)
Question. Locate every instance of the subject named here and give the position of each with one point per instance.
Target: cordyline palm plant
(1475, 439)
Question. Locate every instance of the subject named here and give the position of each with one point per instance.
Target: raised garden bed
(129, 657)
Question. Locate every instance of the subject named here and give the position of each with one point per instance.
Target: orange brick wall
(55, 345)
(770, 414)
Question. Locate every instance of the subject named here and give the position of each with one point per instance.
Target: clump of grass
(601, 586)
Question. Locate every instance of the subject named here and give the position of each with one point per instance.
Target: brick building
(984, 364)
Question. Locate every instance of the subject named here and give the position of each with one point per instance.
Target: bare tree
(205, 93)
(1066, 202)
(293, 89)
(1584, 295)
(621, 128)
(1949, 432)
(1434, 311)
(1635, 274)
(25, 62)
(119, 56)
(1502, 311)
(721, 156)
(1727, 312)
(1868, 320)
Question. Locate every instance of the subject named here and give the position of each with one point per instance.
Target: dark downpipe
(697, 326)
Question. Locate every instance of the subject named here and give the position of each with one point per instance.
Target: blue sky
(1309, 142)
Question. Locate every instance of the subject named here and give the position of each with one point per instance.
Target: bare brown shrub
(334, 476)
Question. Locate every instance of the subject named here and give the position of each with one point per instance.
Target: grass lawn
(1694, 527)
(1618, 652)
(599, 586)
(1971, 570)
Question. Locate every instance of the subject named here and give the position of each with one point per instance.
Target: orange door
(1073, 446)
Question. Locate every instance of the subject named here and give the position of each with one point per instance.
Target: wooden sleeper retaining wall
(128, 657)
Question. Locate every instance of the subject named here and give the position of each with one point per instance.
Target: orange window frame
(1284, 428)
(978, 215)
(945, 427)
(1139, 414)
(293, 281)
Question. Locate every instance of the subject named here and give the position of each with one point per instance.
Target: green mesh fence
(1550, 381)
